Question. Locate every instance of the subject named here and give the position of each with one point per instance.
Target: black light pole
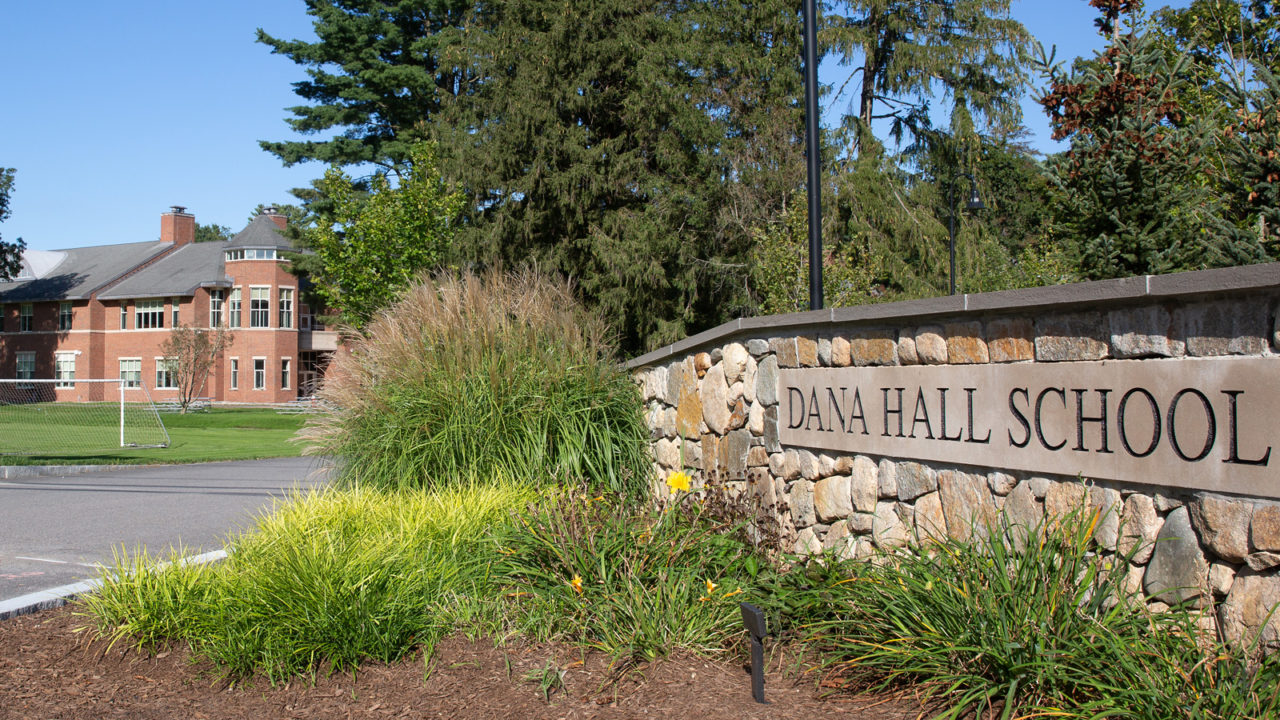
(974, 203)
(810, 14)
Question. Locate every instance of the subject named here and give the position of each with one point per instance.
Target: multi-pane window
(260, 307)
(259, 373)
(174, 303)
(64, 369)
(124, 315)
(304, 317)
(233, 308)
(166, 373)
(148, 314)
(284, 373)
(215, 308)
(26, 317)
(131, 372)
(26, 367)
(64, 316)
(235, 373)
(286, 307)
(251, 254)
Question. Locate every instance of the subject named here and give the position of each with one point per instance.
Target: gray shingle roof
(81, 271)
(261, 232)
(178, 273)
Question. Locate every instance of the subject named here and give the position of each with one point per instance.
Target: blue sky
(112, 112)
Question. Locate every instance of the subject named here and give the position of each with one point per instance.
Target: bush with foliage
(470, 375)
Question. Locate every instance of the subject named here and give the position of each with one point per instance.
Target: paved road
(55, 530)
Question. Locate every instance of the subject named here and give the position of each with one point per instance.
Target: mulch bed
(47, 670)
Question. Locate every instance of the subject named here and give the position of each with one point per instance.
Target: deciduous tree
(10, 252)
(191, 353)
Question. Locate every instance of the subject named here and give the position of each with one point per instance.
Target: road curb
(63, 594)
(12, 472)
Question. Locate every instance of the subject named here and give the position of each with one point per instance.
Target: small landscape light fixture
(973, 203)
(753, 619)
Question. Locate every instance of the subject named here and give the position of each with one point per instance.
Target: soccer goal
(70, 417)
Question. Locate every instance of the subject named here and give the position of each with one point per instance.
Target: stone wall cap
(909, 312)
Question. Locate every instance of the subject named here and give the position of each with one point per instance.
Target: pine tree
(1132, 199)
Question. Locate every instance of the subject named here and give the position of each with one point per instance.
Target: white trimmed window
(260, 307)
(124, 315)
(235, 373)
(148, 314)
(286, 307)
(259, 373)
(64, 316)
(284, 373)
(166, 373)
(131, 372)
(64, 369)
(233, 309)
(26, 367)
(174, 302)
(26, 317)
(216, 300)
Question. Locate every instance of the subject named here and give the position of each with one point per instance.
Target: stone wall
(712, 403)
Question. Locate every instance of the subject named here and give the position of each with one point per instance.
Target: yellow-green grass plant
(1016, 622)
(325, 581)
(634, 583)
(473, 374)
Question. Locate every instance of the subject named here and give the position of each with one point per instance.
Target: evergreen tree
(212, 233)
(906, 52)
(10, 252)
(1131, 194)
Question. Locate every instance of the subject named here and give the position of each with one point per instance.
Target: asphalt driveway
(55, 530)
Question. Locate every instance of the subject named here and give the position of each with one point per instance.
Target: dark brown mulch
(47, 670)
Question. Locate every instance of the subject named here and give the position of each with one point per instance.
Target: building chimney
(178, 226)
(273, 212)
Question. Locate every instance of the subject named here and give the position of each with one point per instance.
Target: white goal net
(74, 417)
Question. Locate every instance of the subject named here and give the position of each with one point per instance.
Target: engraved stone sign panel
(1207, 424)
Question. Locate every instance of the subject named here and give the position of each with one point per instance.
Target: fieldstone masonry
(712, 405)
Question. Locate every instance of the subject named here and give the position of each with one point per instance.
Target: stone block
(864, 485)
(711, 455)
(887, 474)
(767, 381)
(807, 352)
(1001, 483)
(914, 480)
(760, 484)
(733, 449)
(1107, 505)
(667, 454)
(873, 347)
(681, 380)
(807, 543)
(966, 504)
(824, 352)
(931, 345)
(832, 498)
(715, 400)
(1262, 560)
(907, 354)
(810, 465)
(1265, 530)
(965, 345)
(655, 385)
(771, 438)
(1143, 332)
(887, 529)
(1063, 498)
(1011, 340)
(757, 456)
(702, 363)
(734, 359)
(1040, 486)
(1076, 336)
(689, 415)
(1178, 571)
(784, 465)
(785, 352)
(1223, 525)
(749, 379)
(755, 419)
(1139, 526)
(1223, 328)
(929, 520)
(1221, 578)
(1245, 616)
(800, 499)
(840, 352)
(1023, 514)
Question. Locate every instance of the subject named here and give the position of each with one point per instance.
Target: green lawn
(220, 434)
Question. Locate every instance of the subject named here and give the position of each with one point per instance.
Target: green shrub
(471, 375)
(633, 583)
(1027, 624)
(327, 580)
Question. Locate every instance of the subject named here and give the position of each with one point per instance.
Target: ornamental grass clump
(468, 375)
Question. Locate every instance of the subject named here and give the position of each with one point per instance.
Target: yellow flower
(679, 480)
(711, 587)
(735, 592)
(576, 583)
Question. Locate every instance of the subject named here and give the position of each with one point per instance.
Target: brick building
(105, 311)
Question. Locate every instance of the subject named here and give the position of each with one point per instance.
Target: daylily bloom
(576, 583)
(679, 480)
(711, 587)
